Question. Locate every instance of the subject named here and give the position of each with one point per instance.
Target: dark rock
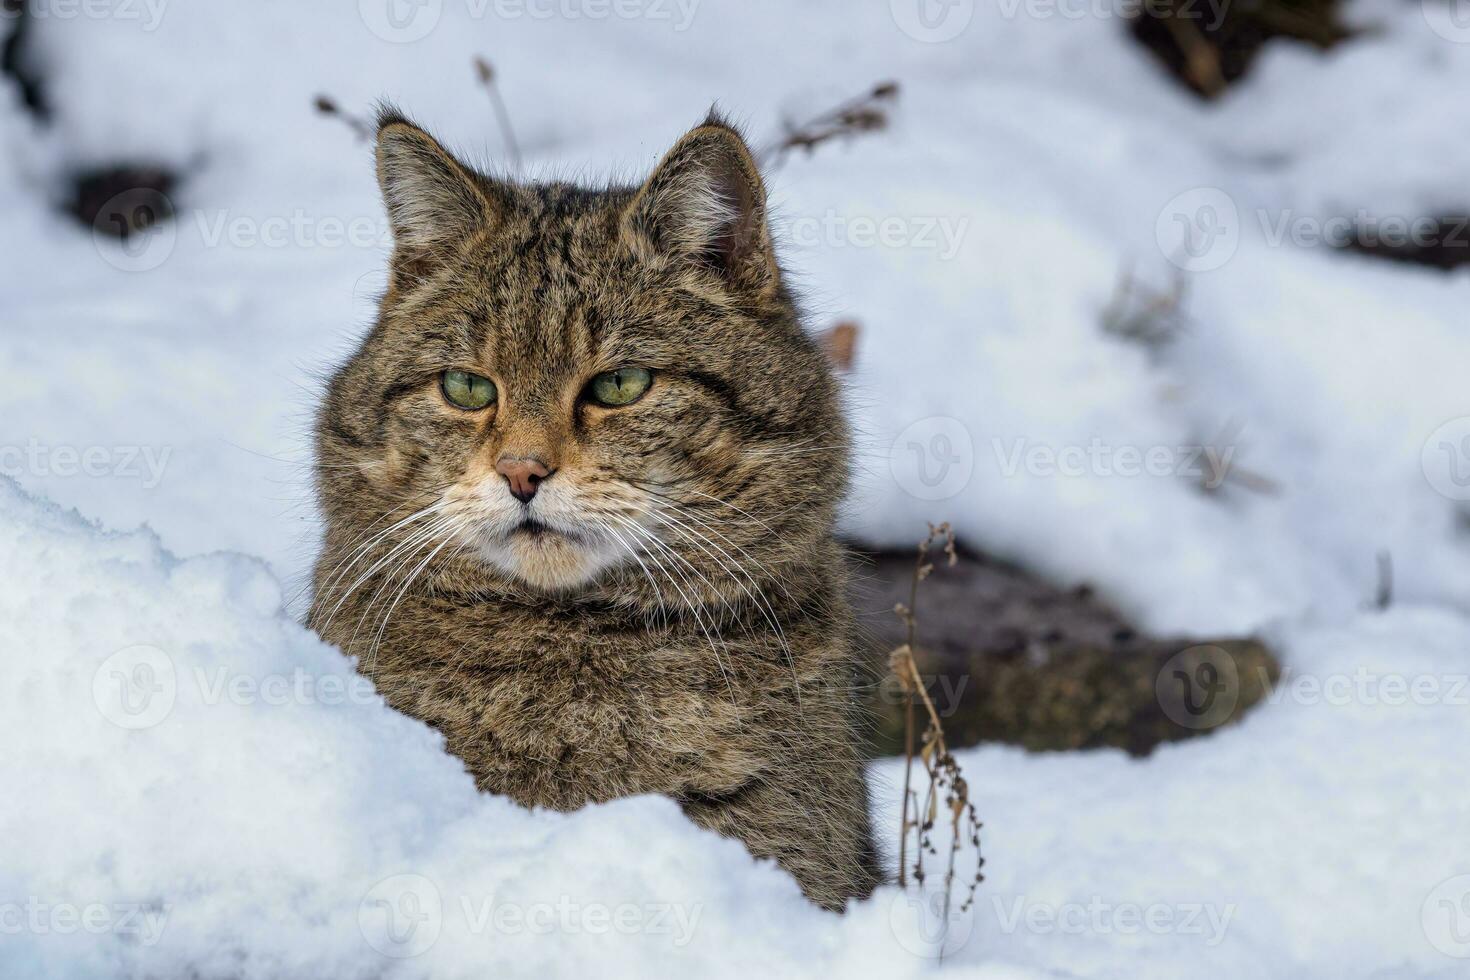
(15, 61)
(1209, 44)
(1009, 658)
(123, 200)
(1440, 242)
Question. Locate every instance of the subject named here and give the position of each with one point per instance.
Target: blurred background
(1159, 303)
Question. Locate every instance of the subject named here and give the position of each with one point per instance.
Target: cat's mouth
(532, 528)
(556, 545)
(548, 556)
(538, 530)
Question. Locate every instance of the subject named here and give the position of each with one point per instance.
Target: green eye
(467, 391)
(621, 387)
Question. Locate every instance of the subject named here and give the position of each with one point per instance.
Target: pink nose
(524, 474)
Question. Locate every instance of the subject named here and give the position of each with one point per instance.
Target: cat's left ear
(705, 204)
(434, 201)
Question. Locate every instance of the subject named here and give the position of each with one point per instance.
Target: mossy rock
(1009, 658)
(1208, 46)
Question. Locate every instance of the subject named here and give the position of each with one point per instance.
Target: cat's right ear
(705, 206)
(434, 202)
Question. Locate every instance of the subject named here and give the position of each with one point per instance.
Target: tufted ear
(434, 202)
(705, 204)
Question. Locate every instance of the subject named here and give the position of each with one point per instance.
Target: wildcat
(579, 483)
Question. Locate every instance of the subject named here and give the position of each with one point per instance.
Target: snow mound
(221, 795)
(218, 794)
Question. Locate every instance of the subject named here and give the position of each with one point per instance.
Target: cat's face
(569, 386)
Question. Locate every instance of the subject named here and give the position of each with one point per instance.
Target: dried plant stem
(360, 127)
(1201, 58)
(865, 114)
(908, 769)
(1151, 317)
(911, 682)
(1384, 597)
(940, 765)
(486, 73)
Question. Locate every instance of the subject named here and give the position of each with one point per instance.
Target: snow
(1034, 157)
(236, 801)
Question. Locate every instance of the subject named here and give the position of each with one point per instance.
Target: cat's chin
(548, 561)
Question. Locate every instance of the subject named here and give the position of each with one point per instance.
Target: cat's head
(573, 386)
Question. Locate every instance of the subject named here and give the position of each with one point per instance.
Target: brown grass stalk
(866, 113)
(360, 127)
(945, 780)
(485, 72)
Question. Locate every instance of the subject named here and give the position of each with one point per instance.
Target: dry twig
(839, 343)
(485, 72)
(1201, 57)
(360, 127)
(941, 767)
(1145, 315)
(1384, 597)
(865, 114)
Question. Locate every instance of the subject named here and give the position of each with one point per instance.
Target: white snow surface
(263, 815)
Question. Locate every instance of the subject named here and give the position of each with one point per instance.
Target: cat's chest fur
(559, 711)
